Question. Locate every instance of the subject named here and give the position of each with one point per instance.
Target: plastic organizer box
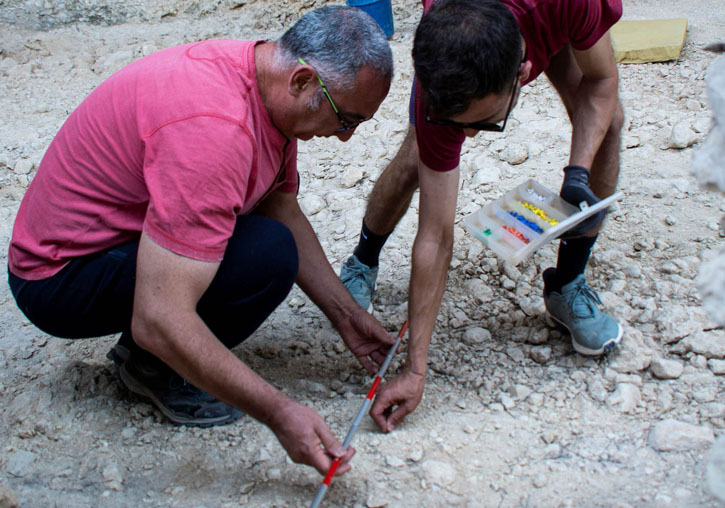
(526, 218)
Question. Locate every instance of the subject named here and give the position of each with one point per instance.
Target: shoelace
(356, 270)
(584, 300)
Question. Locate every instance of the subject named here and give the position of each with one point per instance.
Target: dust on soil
(511, 415)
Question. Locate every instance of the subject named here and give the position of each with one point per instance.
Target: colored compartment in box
(532, 225)
(538, 211)
(518, 234)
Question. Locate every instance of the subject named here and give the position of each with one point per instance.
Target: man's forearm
(186, 345)
(427, 283)
(315, 276)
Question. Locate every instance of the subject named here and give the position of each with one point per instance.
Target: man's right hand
(308, 440)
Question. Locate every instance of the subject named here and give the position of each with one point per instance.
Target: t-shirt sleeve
(439, 146)
(196, 182)
(589, 20)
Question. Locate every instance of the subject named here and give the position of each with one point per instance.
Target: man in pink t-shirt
(471, 58)
(166, 209)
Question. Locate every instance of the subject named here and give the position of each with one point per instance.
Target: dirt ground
(511, 415)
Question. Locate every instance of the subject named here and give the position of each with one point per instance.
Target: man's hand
(308, 440)
(366, 338)
(576, 190)
(396, 399)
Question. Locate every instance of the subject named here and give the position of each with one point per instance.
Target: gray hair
(337, 41)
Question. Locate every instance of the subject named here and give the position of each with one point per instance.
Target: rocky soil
(511, 415)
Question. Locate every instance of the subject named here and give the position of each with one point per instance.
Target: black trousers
(93, 295)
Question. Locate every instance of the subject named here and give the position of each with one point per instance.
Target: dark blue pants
(93, 295)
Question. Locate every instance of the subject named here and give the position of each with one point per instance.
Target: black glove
(574, 190)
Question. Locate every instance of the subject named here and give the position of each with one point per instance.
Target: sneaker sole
(140, 389)
(608, 346)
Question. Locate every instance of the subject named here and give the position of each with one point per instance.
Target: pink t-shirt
(176, 144)
(547, 26)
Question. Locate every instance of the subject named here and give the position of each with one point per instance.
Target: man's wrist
(417, 372)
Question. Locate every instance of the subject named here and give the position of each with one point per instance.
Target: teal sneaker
(359, 279)
(576, 308)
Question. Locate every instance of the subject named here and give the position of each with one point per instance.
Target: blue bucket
(380, 10)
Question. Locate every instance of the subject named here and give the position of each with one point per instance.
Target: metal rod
(358, 418)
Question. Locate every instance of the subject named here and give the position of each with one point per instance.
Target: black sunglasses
(479, 126)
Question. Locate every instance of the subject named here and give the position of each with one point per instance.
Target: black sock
(369, 246)
(573, 256)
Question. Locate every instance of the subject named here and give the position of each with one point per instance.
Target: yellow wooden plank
(650, 40)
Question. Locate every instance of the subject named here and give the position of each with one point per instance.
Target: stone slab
(649, 40)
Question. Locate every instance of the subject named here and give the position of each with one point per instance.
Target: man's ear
(526, 67)
(301, 78)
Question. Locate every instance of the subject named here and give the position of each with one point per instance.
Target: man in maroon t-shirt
(471, 58)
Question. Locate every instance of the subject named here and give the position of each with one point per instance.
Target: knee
(409, 166)
(281, 253)
(262, 251)
(617, 123)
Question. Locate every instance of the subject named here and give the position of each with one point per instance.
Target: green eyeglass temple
(346, 126)
(324, 89)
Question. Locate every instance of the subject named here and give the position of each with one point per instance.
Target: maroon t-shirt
(547, 26)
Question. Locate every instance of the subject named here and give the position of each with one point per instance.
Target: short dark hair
(465, 50)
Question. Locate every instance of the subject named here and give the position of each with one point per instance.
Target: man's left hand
(366, 338)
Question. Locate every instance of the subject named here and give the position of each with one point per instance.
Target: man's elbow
(147, 332)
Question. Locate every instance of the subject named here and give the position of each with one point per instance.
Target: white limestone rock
(19, 463)
(111, 62)
(486, 176)
(682, 136)
(672, 435)
(378, 495)
(710, 344)
(476, 335)
(481, 290)
(312, 204)
(438, 473)
(676, 322)
(664, 368)
(540, 354)
(351, 177)
(625, 397)
(717, 367)
(514, 154)
(112, 477)
(23, 167)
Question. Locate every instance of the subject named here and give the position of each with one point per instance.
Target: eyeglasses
(346, 126)
(479, 126)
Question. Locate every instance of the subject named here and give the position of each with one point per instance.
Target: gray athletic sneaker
(576, 308)
(179, 401)
(359, 279)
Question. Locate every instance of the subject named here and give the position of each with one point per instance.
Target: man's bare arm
(165, 322)
(595, 101)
